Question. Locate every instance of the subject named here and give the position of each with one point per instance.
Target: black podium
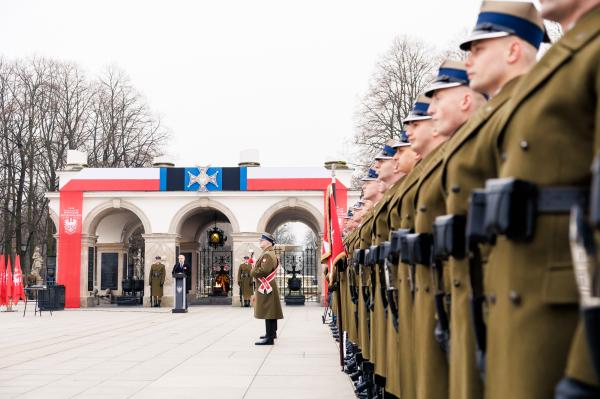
(179, 294)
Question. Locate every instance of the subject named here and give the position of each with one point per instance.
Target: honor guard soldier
(390, 177)
(453, 102)
(548, 139)
(498, 55)
(419, 130)
(157, 280)
(245, 281)
(267, 305)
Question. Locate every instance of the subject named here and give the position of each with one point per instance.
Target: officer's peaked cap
(505, 18)
(450, 74)
(419, 111)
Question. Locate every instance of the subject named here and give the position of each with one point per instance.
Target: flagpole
(337, 273)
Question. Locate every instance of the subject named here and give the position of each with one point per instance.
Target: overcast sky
(227, 75)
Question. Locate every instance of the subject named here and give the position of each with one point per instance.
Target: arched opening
(205, 240)
(298, 239)
(115, 257)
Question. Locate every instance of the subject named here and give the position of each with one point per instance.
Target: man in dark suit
(182, 267)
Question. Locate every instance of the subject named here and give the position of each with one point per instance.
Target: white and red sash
(265, 282)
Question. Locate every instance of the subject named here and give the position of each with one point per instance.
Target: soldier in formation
(460, 278)
(157, 280)
(245, 281)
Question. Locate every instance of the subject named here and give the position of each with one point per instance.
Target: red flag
(8, 283)
(18, 289)
(333, 250)
(2, 280)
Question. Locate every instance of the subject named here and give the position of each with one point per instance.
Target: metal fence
(303, 265)
(215, 273)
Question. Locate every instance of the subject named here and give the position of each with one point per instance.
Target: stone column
(86, 242)
(160, 244)
(242, 243)
(192, 247)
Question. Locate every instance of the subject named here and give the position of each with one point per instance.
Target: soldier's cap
(267, 237)
(419, 111)
(403, 142)
(357, 206)
(387, 152)
(450, 74)
(505, 18)
(349, 214)
(157, 257)
(246, 257)
(371, 175)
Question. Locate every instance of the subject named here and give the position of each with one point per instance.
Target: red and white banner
(117, 179)
(333, 246)
(8, 283)
(2, 280)
(18, 289)
(69, 248)
(287, 178)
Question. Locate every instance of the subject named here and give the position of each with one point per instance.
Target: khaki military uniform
(267, 306)
(548, 137)
(350, 315)
(380, 232)
(403, 216)
(463, 170)
(365, 281)
(245, 280)
(430, 360)
(157, 279)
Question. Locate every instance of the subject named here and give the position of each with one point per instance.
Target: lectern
(179, 296)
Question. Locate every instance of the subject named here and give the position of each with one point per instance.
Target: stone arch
(55, 219)
(291, 209)
(184, 212)
(95, 216)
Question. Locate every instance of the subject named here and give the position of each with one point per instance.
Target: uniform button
(455, 188)
(492, 298)
(456, 283)
(524, 145)
(515, 298)
(427, 289)
(416, 289)
(423, 208)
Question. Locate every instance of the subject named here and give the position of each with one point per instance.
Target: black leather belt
(561, 199)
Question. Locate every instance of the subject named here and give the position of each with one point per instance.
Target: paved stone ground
(146, 353)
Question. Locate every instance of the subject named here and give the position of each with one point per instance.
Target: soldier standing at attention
(497, 58)
(157, 280)
(548, 139)
(245, 281)
(267, 304)
(452, 104)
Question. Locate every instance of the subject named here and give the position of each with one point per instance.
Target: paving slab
(152, 353)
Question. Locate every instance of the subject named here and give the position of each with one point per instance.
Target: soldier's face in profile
(385, 169)
(486, 64)
(420, 134)
(370, 189)
(446, 108)
(407, 158)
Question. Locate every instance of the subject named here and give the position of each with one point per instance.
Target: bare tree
(46, 108)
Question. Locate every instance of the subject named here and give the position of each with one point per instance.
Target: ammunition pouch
(512, 205)
(449, 237)
(419, 248)
(475, 228)
(595, 194)
(384, 250)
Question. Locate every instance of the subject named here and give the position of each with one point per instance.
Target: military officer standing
(157, 280)
(548, 139)
(267, 304)
(245, 281)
